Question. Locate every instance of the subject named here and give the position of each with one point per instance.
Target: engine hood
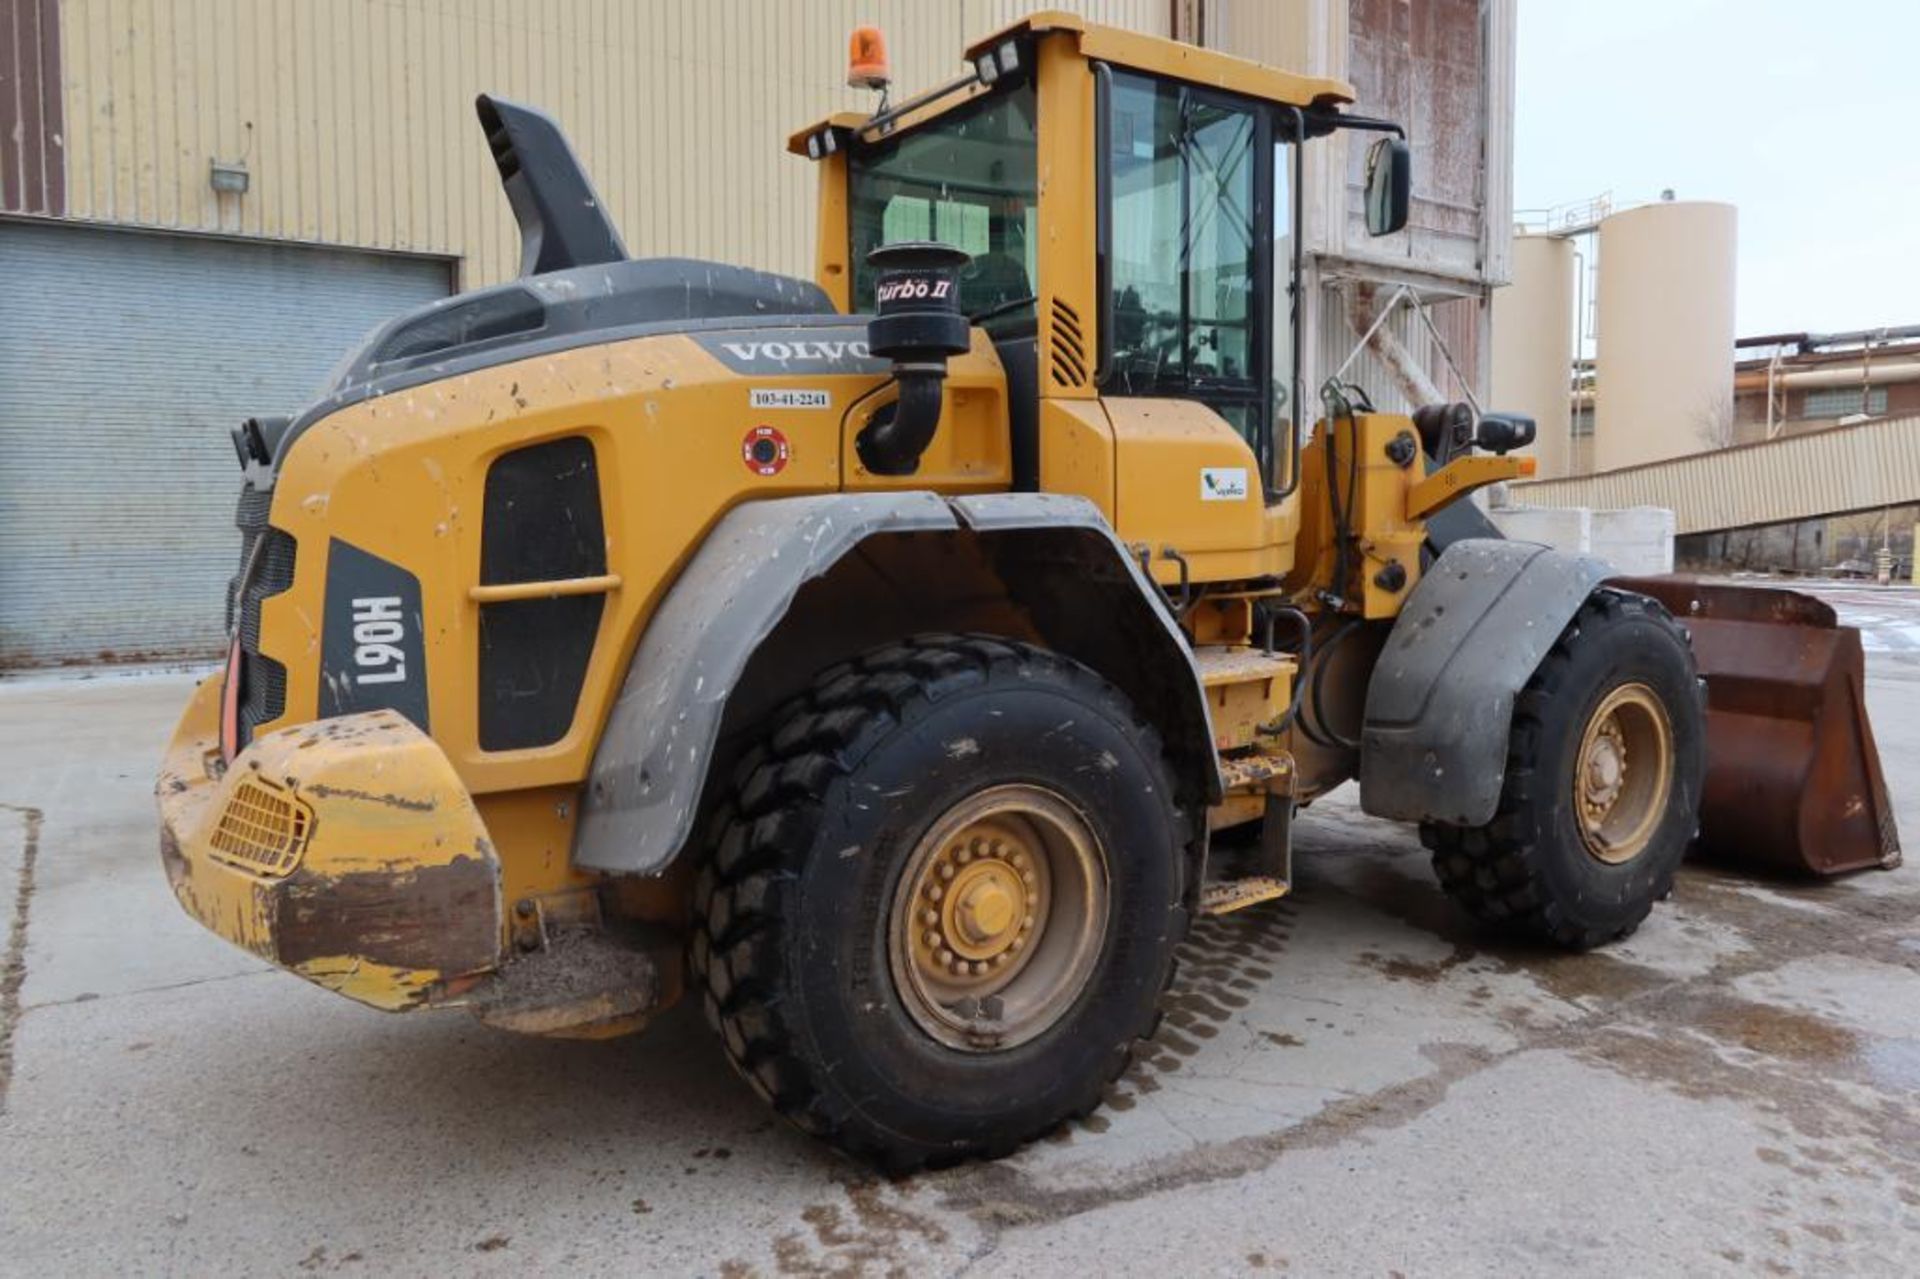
(559, 311)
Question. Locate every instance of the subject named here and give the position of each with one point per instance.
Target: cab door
(1188, 249)
(1186, 266)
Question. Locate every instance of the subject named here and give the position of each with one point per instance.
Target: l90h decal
(371, 654)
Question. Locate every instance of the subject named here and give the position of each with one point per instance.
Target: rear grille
(263, 828)
(266, 568)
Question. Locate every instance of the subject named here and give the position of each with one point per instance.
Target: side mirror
(1389, 185)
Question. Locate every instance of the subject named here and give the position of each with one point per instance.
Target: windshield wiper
(1002, 308)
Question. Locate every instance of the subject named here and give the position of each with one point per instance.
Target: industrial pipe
(1834, 375)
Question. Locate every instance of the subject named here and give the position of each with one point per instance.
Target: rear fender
(1055, 558)
(1440, 701)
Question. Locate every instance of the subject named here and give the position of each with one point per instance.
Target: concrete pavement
(1350, 1082)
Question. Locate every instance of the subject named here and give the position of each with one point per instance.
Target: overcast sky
(1802, 115)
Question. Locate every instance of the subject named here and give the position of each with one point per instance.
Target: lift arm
(1458, 478)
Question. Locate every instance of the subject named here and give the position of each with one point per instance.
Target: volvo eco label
(1223, 484)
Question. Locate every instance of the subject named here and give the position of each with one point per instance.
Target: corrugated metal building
(1873, 465)
(204, 203)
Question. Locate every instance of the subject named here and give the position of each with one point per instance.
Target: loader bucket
(1793, 778)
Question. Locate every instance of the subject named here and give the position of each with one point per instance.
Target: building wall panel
(1850, 468)
(354, 118)
(1433, 67)
(32, 175)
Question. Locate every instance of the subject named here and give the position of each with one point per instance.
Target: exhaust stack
(562, 222)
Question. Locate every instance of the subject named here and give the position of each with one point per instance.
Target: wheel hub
(982, 902)
(999, 917)
(1606, 769)
(1623, 773)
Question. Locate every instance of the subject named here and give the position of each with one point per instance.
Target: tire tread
(1493, 871)
(768, 823)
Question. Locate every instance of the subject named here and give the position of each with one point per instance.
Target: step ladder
(1270, 876)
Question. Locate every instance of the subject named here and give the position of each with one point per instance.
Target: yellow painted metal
(1077, 451)
(1460, 477)
(1247, 775)
(1171, 58)
(1221, 618)
(397, 890)
(971, 451)
(402, 476)
(1068, 281)
(1623, 773)
(1164, 450)
(832, 268)
(1373, 490)
(1387, 505)
(1227, 896)
(1005, 896)
(504, 591)
(1256, 771)
(666, 420)
(1246, 688)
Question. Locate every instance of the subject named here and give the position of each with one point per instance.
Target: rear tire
(878, 1013)
(1582, 844)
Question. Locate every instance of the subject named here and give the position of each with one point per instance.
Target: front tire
(944, 900)
(1602, 794)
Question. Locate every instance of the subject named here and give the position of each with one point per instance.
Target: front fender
(1440, 701)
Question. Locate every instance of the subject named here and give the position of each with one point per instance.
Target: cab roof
(1154, 55)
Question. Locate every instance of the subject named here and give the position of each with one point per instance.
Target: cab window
(967, 179)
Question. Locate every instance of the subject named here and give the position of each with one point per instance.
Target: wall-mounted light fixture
(228, 179)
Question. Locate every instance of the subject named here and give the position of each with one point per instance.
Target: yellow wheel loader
(896, 662)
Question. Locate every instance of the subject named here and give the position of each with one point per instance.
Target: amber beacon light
(867, 59)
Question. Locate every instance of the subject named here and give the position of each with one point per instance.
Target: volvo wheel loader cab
(874, 658)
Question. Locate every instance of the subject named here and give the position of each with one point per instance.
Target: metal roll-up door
(124, 359)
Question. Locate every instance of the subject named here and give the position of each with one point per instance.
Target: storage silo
(1663, 367)
(1533, 346)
